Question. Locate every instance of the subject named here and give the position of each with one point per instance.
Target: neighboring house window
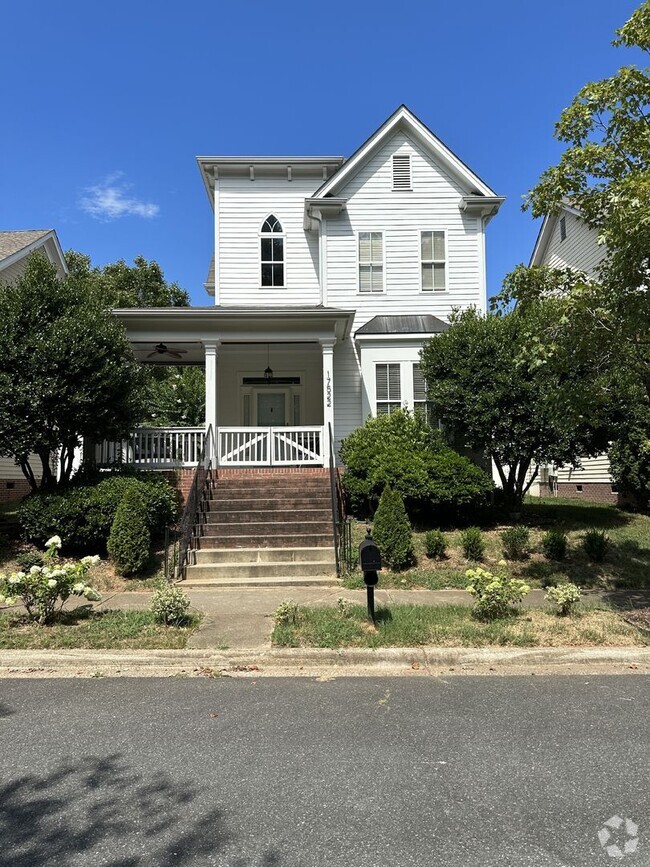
(434, 264)
(420, 402)
(388, 388)
(562, 228)
(401, 172)
(272, 249)
(371, 262)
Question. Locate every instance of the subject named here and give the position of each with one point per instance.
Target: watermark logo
(619, 837)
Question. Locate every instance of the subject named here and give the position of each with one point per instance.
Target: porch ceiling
(187, 329)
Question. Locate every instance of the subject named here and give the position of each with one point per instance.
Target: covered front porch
(269, 386)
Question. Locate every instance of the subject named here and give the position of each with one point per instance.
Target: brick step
(257, 571)
(256, 491)
(268, 528)
(265, 555)
(234, 583)
(266, 540)
(248, 516)
(224, 503)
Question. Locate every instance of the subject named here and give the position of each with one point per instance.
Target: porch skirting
(244, 472)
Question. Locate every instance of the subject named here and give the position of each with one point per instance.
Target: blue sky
(105, 106)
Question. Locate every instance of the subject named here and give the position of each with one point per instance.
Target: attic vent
(401, 172)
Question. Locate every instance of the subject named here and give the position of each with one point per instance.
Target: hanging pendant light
(268, 373)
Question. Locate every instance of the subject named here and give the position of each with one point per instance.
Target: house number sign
(328, 389)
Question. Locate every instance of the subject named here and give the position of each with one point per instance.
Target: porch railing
(154, 448)
(270, 446)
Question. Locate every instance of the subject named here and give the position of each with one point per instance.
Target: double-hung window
(388, 391)
(371, 262)
(272, 253)
(434, 261)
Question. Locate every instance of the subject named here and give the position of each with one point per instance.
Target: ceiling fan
(162, 349)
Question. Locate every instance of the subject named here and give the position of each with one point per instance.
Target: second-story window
(434, 264)
(272, 250)
(371, 262)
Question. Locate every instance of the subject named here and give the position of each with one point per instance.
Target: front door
(271, 410)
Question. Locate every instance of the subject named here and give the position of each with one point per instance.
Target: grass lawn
(85, 628)
(626, 567)
(453, 626)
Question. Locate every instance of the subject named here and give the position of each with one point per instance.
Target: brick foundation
(597, 492)
(12, 490)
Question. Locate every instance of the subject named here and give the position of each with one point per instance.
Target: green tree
(66, 372)
(493, 395)
(605, 173)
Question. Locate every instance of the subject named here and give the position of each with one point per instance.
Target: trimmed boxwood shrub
(403, 451)
(130, 540)
(435, 544)
(82, 515)
(472, 543)
(392, 531)
(516, 543)
(554, 545)
(596, 545)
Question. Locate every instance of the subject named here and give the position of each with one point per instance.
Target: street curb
(305, 660)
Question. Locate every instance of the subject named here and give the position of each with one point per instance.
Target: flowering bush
(495, 594)
(169, 604)
(565, 596)
(42, 588)
(286, 613)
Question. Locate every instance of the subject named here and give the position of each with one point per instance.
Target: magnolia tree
(66, 373)
(43, 590)
(494, 396)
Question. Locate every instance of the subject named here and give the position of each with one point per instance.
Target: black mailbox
(369, 555)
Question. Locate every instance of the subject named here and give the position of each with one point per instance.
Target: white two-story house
(328, 275)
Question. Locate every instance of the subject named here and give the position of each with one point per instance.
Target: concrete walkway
(240, 618)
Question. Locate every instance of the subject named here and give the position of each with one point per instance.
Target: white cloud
(109, 200)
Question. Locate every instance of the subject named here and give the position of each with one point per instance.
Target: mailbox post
(370, 562)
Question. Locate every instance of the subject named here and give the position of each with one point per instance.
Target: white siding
(12, 272)
(579, 250)
(9, 471)
(593, 470)
(243, 207)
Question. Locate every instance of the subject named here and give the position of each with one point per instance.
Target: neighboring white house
(566, 241)
(328, 275)
(15, 250)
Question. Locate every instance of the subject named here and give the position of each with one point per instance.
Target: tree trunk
(28, 472)
(48, 481)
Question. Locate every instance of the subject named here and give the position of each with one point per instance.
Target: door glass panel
(270, 409)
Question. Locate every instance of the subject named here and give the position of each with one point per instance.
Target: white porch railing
(154, 448)
(270, 446)
(157, 448)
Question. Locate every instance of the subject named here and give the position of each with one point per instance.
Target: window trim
(421, 261)
(383, 261)
(395, 189)
(562, 229)
(400, 401)
(262, 234)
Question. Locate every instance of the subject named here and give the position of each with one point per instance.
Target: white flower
(54, 542)
(35, 570)
(78, 588)
(51, 583)
(90, 561)
(2, 599)
(14, 579)
(9, 600)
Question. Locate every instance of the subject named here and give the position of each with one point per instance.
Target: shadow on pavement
(98, 810)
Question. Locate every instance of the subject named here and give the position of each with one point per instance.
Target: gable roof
(546, 231)
(403, 118)
(16, 245)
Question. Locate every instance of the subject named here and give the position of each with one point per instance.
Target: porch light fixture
(268, 373)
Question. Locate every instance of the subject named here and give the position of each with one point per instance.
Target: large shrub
(129, 540)
(83, 514)
(392, 531)
(404, 452)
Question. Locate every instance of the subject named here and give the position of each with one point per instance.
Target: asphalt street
(365, 772)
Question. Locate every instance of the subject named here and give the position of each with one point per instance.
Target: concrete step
(264, 528)
(265, 555)
(266, 540)
(249, 571)
(287, 516)
(294, 581)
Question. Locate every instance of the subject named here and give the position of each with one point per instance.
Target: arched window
(272, 247)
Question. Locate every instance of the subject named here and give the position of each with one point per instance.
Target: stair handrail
(189, 526)
(340, 521)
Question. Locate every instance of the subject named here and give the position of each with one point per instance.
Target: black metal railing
(181, 538)
(341, 524)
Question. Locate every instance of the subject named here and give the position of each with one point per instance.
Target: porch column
(327, 348)
(210, 349)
